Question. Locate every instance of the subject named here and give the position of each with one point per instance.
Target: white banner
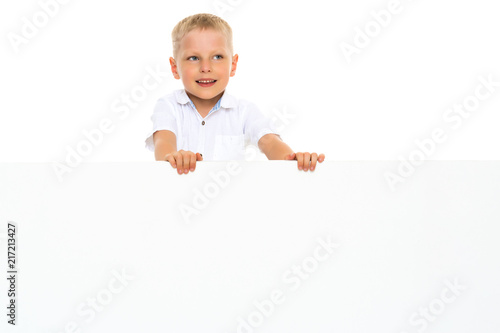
(250, 247)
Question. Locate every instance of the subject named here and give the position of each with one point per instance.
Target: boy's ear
(234, 64)
(173, 66)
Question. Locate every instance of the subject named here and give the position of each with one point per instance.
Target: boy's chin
(205, 95)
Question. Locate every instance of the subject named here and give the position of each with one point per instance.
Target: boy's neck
(203, 106)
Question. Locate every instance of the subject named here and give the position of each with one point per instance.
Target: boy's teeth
(206, 81)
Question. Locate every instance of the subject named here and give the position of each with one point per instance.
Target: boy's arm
(166, 150)
(165, 143)
(275, 149)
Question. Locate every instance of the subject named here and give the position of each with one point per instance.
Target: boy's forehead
(203, 40)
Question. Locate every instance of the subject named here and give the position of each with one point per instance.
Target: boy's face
(204, 63)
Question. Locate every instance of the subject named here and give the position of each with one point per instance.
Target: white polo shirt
(223, 134)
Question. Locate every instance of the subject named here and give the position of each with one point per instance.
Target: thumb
(199, 157)
(290, 157)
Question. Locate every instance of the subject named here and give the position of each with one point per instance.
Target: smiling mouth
(206, 81)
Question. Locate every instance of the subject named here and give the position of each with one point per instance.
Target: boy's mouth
(206, 82)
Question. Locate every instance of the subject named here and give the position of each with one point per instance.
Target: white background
(395, 91)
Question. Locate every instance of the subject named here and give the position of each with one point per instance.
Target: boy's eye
(194, 58)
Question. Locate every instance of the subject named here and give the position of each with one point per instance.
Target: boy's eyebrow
(191, 51)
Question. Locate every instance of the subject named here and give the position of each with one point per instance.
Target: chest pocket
(229, 147)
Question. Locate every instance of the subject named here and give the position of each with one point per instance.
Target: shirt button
(203, 122)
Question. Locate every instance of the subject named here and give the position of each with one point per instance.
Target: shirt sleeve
(257, 124)
(163, 118)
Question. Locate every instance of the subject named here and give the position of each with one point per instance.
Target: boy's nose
(205, 67)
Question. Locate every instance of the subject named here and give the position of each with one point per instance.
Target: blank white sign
(253, 247)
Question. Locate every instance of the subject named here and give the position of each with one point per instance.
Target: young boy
(202, 121)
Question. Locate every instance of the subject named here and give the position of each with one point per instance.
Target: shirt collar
(227, 100)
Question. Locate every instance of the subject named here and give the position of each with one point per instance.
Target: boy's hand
(303, 160)
(183, 160)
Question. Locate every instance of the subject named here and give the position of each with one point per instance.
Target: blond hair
(201, 21)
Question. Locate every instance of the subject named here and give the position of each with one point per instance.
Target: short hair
(201, 21)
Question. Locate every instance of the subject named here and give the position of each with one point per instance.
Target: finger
(192, 162)
(321, 158)
(199, 157)
(170, 158)
(307, 159)
(290, 157)
(177, 160)
(300, 160)
(180, 160)
(186, 157)
(314, 158)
